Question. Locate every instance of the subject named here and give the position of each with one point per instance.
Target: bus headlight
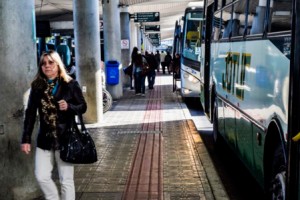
(193, 79)
(186, 91)
(190, 78)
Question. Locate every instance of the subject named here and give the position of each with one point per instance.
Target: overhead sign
(152, 28)
(153, 36)
(155, 42)
(146, 17)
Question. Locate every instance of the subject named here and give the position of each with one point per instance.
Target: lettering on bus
(235, 72)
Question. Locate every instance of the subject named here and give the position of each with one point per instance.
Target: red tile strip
(145, 178)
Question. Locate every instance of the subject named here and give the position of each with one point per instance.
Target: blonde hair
(40, 77)
(54, 56)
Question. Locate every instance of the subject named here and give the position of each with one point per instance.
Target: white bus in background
(191, 55)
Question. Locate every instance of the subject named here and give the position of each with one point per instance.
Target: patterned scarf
(49, 108)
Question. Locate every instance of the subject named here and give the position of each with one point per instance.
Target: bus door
(208, 31)
(293, 171)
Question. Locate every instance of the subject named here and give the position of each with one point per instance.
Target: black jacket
(71, 93)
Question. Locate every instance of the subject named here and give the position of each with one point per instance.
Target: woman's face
(49, 68)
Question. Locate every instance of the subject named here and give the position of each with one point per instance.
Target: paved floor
(149, 148)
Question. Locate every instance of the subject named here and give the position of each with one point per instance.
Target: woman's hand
(63, 105)
(26, 148)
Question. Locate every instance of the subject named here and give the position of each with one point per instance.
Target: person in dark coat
(130, 71)
(176, 66)
(150, 58)
(57, 98)
(157, 58)
(168, 60)
(139, 64)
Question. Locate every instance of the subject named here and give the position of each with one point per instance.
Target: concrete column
(149, 45)
(18, 67)
(87, 52)
(133, 36)
(125, 38)
(143, 42)
(112, 41)
(139, 37)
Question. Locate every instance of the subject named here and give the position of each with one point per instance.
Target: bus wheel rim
(278, 186)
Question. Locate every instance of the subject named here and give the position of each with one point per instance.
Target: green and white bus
(249, 86)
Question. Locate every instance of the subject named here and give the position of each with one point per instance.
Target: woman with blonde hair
(57, 98)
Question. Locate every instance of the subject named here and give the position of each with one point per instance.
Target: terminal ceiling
(170, 11)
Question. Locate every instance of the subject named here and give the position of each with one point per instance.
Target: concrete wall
(17, 69)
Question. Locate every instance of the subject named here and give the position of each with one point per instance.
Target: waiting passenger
(56, 96)
(139, 63)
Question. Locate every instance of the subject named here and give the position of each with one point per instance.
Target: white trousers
(44, 162)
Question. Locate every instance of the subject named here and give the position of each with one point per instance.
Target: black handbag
(128, 70)
(77, 146)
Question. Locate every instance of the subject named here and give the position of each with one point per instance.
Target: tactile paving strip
(118, 138)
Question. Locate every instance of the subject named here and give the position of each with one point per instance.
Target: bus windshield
(192, 36)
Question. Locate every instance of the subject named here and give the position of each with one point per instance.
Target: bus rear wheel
(277, 184)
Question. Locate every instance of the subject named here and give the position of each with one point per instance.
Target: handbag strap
(83, 128)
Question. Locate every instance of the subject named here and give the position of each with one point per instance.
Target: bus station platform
(149, 149)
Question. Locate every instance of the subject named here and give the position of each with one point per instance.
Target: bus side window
(258, 20)
(217, 23)
(231, 28)
(238, 17)
(250, 14)
(281, 16)
(227, 22)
